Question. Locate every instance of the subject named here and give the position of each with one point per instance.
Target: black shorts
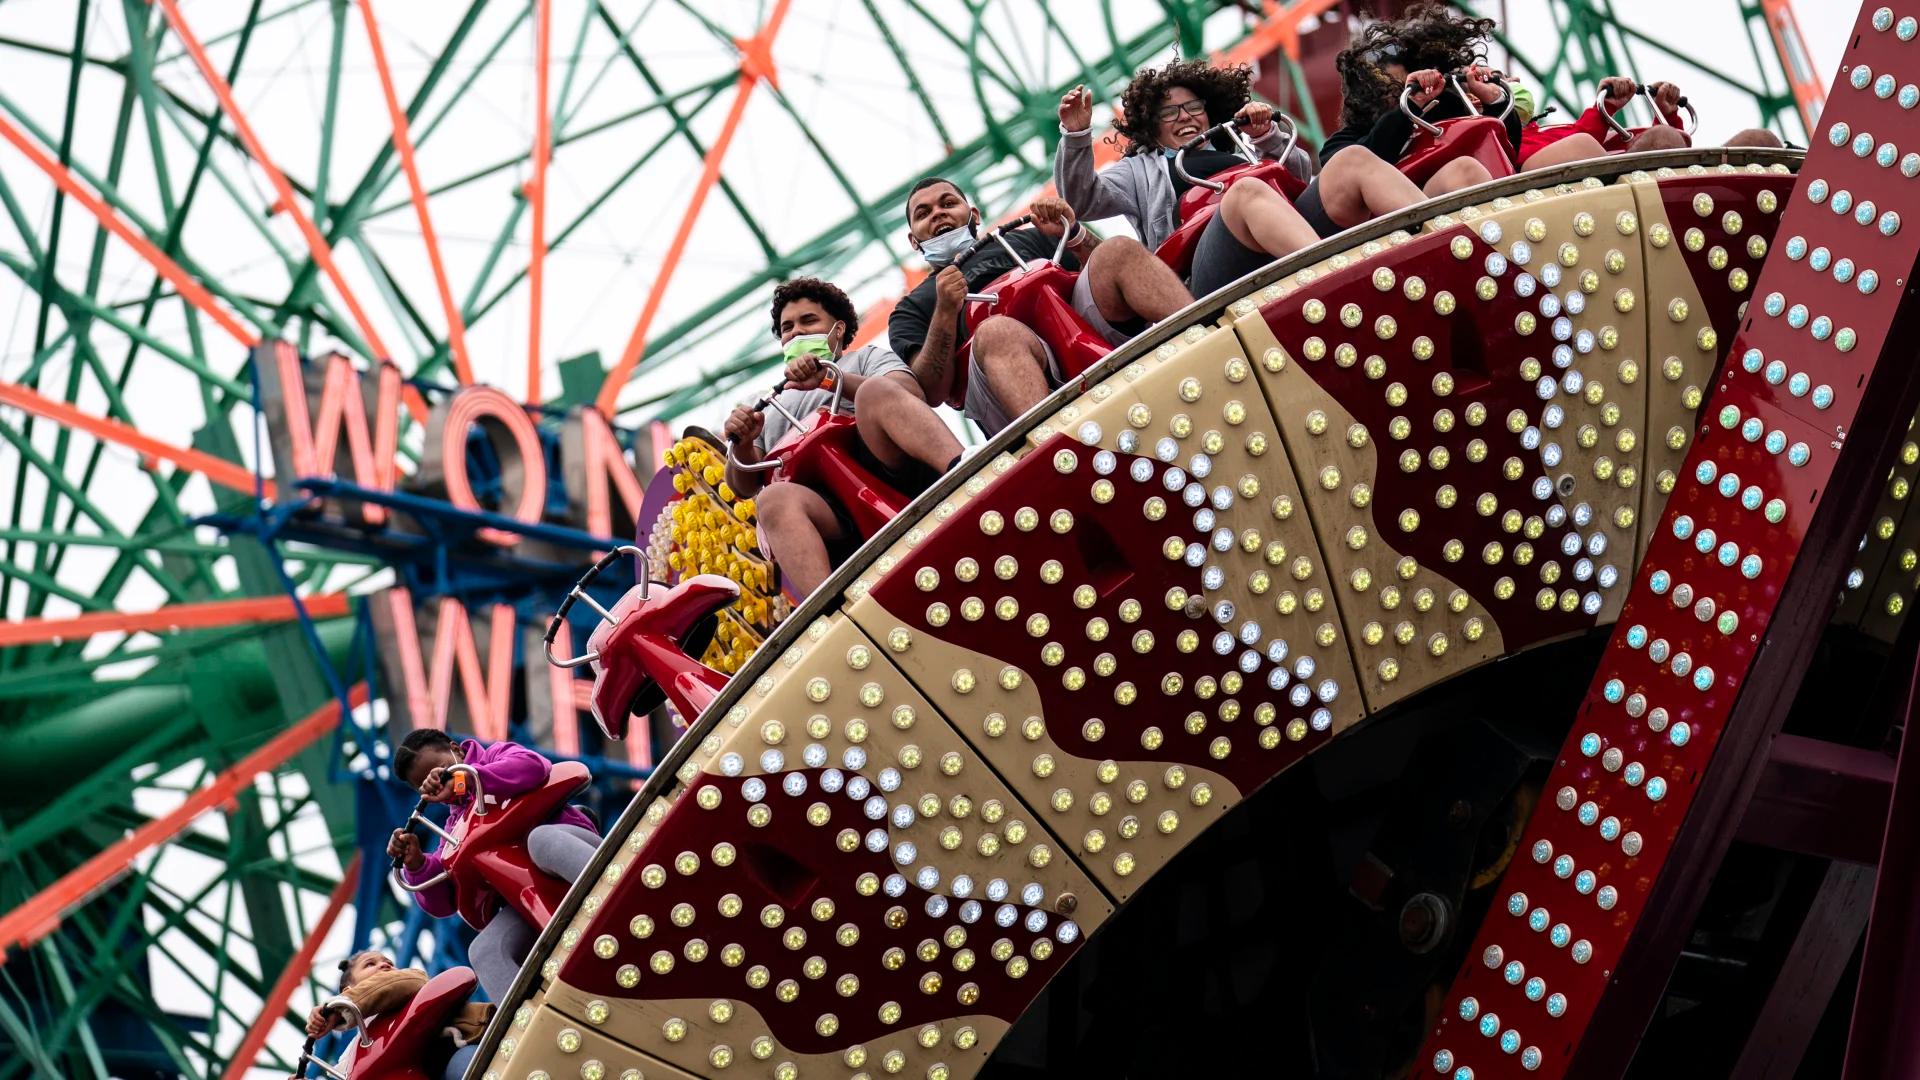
(1315, 211)
(1220, 259)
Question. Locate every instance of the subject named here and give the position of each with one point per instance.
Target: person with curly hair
(1417, 50)
(1161, 109)
(900, 435)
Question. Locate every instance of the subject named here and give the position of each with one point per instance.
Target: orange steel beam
(202, 616)
(27, 924)
(322, 254)
(189, 289)
(403, 146)
(217, 470)
(542, 151)
(1795, 62)
(295, 973)
(756, 63)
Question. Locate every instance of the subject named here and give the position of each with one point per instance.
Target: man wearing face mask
(799, 529)
(1122, 290)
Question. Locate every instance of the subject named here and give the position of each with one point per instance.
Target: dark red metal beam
(1813, 798)
(1885, 1037)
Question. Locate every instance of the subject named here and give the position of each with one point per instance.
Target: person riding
(1591, 135)
(370, 980)
(1161, 110)
(1417, 50)
(800, 530)
(1121, 290)
(561, 847)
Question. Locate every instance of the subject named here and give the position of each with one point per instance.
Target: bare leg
(1456, 174)
(1357, 185)
(1755, 137)
(1660, 137)
(1128, 282)
(795, 525)
(899, 426)
(1262, 219)
(1014, 362)
(1578, 146)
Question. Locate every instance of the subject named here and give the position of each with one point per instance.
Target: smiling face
(935, 209)
(1181, 116)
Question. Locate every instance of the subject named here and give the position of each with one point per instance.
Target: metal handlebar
(1653, 105)
(1453, 79)
(1242, 146)
(447, 840)
(579, 592)
(339, 1003)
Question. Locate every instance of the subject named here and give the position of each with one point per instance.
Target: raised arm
(507, 768)
(1092, 193)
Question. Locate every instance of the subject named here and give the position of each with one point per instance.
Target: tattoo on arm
(933, 364)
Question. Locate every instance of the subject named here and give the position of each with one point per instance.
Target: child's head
(421, 752)
(362, 964)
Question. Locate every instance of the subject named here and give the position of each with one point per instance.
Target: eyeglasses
(1195, 107)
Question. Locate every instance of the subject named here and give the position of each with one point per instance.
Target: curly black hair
(1224, 90)
(1429, 35)
(824, 293)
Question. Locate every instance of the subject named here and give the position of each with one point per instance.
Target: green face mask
(800, 345)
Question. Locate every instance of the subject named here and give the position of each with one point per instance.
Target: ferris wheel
(581, 203)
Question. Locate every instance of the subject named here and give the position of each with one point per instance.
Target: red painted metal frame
(40, 915)
(213, 613)
(316, 243)
(1199, 204)
(403, 147)
(653, 649)
(400, 1040)
(537, 191)
(491, 866)
(297, 971)
(1632, 682)
(189, 289)
(756, 63)
(216, 470)
(1883, 1039)
(1482, 138)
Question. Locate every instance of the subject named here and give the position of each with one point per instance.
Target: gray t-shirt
(868, 361)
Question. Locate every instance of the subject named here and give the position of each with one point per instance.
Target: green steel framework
(105, 732)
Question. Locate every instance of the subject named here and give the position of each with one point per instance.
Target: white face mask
(942, 250)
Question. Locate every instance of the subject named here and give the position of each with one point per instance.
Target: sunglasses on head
(1390, 53)
(1190, 108)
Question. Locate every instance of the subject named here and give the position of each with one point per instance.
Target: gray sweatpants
(498, 951)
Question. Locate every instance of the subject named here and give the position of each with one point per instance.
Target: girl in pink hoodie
(561, 847)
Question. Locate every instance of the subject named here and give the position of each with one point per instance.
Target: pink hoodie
(506, 769)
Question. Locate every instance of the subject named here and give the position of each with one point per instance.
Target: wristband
(1078, 234)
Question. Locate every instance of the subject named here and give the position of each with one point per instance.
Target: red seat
(395, 1044)
(650, 652)
(825, 458)
(1482, 138)
(489, 862)
(1200, 203)
(1038, 295)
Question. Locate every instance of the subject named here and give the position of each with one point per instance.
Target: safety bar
(1653, 106)
(339, 1003)
(997, 234)
(1453, 79)
(1234, 128)
(579, 592)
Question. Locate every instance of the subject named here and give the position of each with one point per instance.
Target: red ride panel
(1754, 479)
(789, 865)
(399, 1040)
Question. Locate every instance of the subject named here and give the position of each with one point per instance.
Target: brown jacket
(377, 995)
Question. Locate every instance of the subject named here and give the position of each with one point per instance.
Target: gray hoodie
(1139, 187)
